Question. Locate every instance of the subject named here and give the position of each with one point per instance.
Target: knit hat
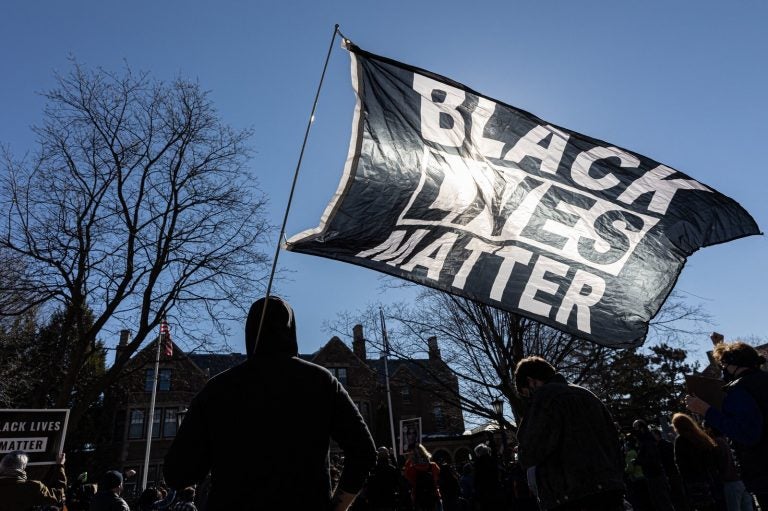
(111, 480)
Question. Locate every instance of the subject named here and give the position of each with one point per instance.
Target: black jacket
(263, 428)
(568, 435)
(108, 501)
(745, 409)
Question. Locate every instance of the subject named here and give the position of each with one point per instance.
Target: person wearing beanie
(263, 428)
(107, 496)
(743, 416)
(19, 492)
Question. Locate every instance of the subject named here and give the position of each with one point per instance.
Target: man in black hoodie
(263, 428)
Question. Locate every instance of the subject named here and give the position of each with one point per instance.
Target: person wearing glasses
(743, 416)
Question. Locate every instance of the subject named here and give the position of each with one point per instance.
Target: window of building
(340, 373)
(169, 423)
(157, 421)
(164, 379)
(164, 423)
(149, 380)
(136, 424)
(405, 394)
(437, 411)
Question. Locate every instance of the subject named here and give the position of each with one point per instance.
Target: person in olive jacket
(19, 492)
(263, 428)
(569, 437)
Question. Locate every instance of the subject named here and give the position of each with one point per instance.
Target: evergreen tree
(642, 383)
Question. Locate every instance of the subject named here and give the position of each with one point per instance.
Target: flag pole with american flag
(164, 341)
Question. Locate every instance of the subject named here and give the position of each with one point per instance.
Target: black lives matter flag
(446, 187)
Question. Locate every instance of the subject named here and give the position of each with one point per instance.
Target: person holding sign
(263, 428)
(17, 492)
(743, 416)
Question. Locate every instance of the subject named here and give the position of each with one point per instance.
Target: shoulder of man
(555, 388)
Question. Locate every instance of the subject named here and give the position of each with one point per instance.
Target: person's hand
(130, 473)
(696, 405)
(61, 458)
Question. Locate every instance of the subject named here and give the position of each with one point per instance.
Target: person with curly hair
(743, 416)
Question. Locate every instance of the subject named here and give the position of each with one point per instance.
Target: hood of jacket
(278, 333)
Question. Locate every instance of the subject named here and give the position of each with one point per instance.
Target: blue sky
(684, 83)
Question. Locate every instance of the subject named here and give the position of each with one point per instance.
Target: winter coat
(108, 501)
(18, 493)
(568, 435)
(698, 467)
(744, 419)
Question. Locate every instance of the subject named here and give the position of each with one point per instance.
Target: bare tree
(482, 344)
(137, 204)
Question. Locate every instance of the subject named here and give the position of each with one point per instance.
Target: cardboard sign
(40, 433)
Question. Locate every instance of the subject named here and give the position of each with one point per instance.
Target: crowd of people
(419, 483)
(569, 456)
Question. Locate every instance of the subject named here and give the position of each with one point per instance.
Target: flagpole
(151, 414)
(293, 185)
(386, 380)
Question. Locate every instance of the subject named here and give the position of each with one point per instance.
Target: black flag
(446, 187)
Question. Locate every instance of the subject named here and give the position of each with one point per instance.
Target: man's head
(736, 357)
(482, 450)
(14, 460)
(382, 453)
(532, 372)
(112, 480)
(278, 332)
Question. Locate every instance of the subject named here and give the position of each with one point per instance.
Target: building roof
(215, 363)
(417, 367)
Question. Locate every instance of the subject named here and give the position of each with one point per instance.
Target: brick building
(414, 392)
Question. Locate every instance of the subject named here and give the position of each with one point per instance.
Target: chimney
(358, 342)
(125, 338)
(434, 351)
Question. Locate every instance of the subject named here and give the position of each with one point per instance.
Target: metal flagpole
(386, 380)
(293, 185)
(152, 411)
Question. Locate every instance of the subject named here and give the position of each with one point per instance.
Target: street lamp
(498, 409)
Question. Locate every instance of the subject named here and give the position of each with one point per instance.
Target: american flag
(165, 336)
